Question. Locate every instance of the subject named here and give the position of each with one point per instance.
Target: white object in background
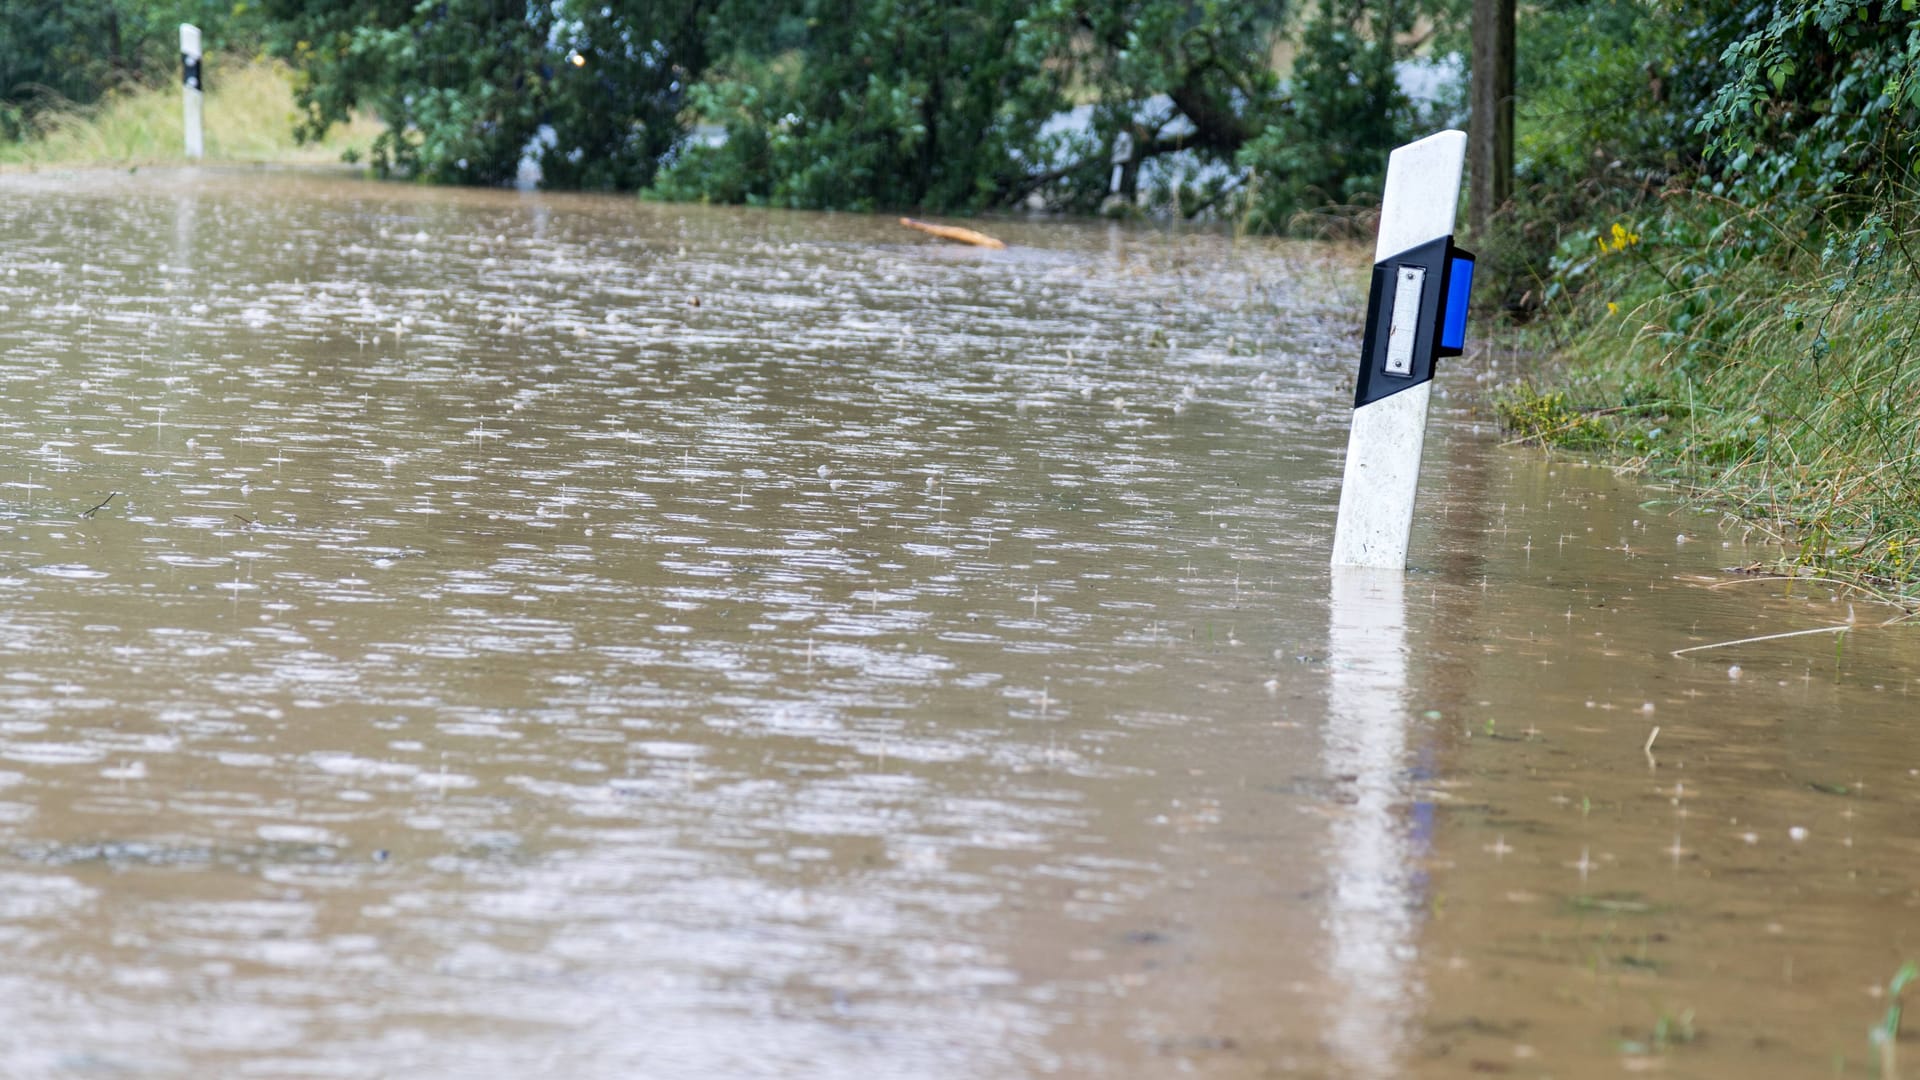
(190, 86)
(1388, 435)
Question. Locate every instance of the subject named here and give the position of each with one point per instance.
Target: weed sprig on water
(1885, 1035)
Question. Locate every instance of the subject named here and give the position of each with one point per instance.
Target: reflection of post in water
(180, 286)
(183, 215)
(1371, 862)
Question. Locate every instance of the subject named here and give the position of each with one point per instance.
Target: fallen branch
(954, 233)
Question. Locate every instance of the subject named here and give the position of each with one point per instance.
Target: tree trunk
(1490, 128)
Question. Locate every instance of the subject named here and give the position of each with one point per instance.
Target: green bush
(465, 86)
(866, 104)
(895, 103)
(1345, 114)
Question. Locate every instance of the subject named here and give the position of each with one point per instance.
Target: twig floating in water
(1841, 629)
(99, 506)
(951, 232)
(1648, 749)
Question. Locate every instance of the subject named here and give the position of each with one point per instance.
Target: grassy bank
(1774, 374)
(249, 118)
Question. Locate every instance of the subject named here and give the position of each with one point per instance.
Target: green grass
(1885, 1035)
(1777, 375)
(249, 118)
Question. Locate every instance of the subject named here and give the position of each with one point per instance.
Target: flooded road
(451, 633)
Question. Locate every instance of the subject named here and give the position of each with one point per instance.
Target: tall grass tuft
(249, 118)
(1778, 375)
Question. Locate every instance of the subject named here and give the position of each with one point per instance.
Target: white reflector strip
(1409, 281)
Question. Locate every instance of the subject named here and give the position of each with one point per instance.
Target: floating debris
(954, 233)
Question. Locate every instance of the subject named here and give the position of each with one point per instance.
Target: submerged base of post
(1381, 479)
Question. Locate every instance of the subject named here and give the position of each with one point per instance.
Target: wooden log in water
(954, 233)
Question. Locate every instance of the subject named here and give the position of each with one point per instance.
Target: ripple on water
(907, 661)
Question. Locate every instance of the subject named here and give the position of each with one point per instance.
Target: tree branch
(1216, 126)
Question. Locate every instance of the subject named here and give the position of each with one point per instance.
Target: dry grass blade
(1841, 629)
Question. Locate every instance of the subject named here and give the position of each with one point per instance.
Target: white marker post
(1416, 312)
(190, 86)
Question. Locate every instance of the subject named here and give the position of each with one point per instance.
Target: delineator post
(190, 87)
(1416, 313)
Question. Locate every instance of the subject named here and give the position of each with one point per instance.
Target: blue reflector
(1453, 331)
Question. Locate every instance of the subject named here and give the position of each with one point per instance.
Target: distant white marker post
(1416, 313)
(190, 87)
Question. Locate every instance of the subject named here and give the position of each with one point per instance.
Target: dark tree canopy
(1264, 110)
(592, 92)
(870, 103)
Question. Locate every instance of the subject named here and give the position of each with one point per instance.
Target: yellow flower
(1613, 308)
(1622, 239)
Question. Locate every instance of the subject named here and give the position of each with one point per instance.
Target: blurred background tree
(591, 93)
(1068, 104)
(872, 103)
(1275, 113)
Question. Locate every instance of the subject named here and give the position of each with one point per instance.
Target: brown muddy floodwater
(469, 634)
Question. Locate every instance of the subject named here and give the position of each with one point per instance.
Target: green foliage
(879, 103)
(466, 85)
(246, 120)
(909, 103)
(1722, 205)
(1549, 419)
(1884, 1036)
(1888, 1029)
(1330, 146)
(1164, 78)
(1606, 95)
(1822, 98)
(1782, 378)
(1807, 107)
(876, 103)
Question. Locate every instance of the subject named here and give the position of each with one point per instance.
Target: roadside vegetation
(1717, 250)
(1784, 390)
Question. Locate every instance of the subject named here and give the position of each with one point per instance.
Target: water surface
(477, 634)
